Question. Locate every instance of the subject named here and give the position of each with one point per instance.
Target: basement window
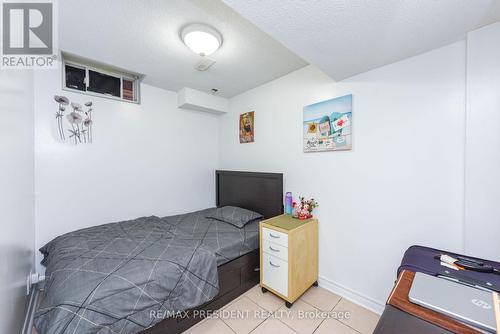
(99, 80)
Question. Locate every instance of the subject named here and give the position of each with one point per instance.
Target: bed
(156, 274)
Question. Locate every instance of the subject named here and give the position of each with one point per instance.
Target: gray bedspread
(124, 277)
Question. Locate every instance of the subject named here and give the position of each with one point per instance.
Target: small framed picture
(247, 127)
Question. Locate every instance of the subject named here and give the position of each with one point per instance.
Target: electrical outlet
(33, 278)
(28, 284)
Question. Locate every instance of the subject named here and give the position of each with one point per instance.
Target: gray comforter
(124, 277)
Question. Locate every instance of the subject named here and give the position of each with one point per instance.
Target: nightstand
(288, 256)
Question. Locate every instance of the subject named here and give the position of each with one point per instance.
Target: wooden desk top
(399, 299)
(286, 222)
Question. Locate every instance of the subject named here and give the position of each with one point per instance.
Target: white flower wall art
(74, 120)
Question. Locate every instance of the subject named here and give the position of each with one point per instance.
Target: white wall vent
(204, 64)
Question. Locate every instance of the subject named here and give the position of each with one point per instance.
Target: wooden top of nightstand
(286, 222)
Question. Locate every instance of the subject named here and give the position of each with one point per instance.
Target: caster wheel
(315, 284)
(264, 290)
(288, 305)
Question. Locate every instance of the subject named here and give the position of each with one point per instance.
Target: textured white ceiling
(143, 36)
(347, 37)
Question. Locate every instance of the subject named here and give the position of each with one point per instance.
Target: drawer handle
(274, 236)
(274, 265)
(274, 250)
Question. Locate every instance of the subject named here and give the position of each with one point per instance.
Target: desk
(395, 321)
(402, 316)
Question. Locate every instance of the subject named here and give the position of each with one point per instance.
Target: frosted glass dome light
(201, 39)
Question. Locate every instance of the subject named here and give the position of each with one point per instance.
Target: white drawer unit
(275, 273)
(288, 256)
(275, 236)
(275, 249)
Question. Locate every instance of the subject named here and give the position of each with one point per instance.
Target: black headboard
(259, 192)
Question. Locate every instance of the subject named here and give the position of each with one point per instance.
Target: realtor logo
(28, 35)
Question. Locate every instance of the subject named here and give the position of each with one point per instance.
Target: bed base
(235, 278)
(259, 192)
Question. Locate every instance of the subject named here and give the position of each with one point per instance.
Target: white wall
(482, 206)
(402, 184)
(16, 195)
(148, 159)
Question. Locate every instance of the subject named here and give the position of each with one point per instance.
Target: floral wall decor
(74, 121)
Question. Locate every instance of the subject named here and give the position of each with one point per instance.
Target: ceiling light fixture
(201, 39)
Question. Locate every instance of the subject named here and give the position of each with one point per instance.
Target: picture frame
(247, 130)
(327, 125)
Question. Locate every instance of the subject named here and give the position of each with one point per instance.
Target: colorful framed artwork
(247, 127)
(328, 125)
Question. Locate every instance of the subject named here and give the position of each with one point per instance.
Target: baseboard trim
(351, 295)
